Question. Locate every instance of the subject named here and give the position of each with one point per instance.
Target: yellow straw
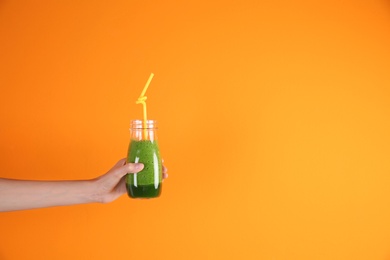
(141, 100)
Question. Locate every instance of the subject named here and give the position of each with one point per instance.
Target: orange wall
(274, 124)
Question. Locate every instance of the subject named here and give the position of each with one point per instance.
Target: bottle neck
(140, 130)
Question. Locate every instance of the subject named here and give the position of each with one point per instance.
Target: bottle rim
(138, 124)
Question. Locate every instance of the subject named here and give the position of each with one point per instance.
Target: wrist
(92, 194)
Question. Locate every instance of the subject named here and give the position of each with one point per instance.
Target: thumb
(121, 171)
(133, 167)
(114, 176)
(121, 165)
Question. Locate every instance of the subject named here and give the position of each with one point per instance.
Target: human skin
(31, 194)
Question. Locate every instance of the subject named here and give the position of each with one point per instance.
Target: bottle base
(143, 191)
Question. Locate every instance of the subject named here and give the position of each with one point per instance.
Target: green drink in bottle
(143, 148)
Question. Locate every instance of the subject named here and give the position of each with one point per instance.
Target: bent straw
(142, 100)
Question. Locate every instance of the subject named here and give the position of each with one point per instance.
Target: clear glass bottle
(143, 148)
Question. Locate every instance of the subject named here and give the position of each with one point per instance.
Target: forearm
(22, 194)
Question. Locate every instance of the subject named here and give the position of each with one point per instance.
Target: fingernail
(138, 166)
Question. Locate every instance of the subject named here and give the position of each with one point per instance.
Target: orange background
(274, 125)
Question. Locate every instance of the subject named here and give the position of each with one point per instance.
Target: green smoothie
(146, 183)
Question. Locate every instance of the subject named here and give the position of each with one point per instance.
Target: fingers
(165, 170)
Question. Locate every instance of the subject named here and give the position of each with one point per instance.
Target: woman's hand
(111, 185)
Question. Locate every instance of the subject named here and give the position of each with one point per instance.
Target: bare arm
(25, 194)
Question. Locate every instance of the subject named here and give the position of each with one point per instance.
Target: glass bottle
(143, 148)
